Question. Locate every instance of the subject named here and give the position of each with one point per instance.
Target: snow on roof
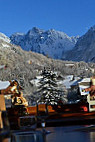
(74, 82)
(85, 80)
(4, 84)
(68, 82)
(69, 77)
(2, 66)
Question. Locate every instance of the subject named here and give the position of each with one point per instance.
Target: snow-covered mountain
(51, 43)
(84, 49)
(3, 37)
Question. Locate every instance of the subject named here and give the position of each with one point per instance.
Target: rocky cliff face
(84, 49)
(51, 43)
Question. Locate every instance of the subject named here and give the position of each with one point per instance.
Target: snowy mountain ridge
(51, 42)
(84, 49)
(55, 44)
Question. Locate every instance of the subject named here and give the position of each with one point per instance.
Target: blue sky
(73, 17)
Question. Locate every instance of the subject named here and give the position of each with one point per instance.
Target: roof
(85, 80)
(4, 84)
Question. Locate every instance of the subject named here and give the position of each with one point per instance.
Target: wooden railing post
(4, 124)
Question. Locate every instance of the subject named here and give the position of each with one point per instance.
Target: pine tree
(49, 90)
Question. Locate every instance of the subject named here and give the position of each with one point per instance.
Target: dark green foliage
(49, 91)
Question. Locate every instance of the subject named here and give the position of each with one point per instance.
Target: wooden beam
(1, 122)
(2, 103)
(2, 108)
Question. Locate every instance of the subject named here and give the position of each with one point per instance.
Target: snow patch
(5, 45)
(4, 37)
(4, 84)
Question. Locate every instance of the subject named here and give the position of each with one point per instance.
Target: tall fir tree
(49, 91)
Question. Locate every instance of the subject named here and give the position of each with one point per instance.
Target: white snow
(68, 81)
(41, 37)
(4, 84)
(35, 82)
(5, 45)
(69, 65)
(2, 66)
(4, 37)
(39, 77)
(52, 43)
(85, 80)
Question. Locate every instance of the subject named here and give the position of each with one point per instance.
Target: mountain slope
(4, 38)
(16, 63)
(51, 43)
(84, 49)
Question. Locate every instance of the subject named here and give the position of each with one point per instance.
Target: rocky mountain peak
(34, 30)
(84, 49)
(92, 28)
(51, 42)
